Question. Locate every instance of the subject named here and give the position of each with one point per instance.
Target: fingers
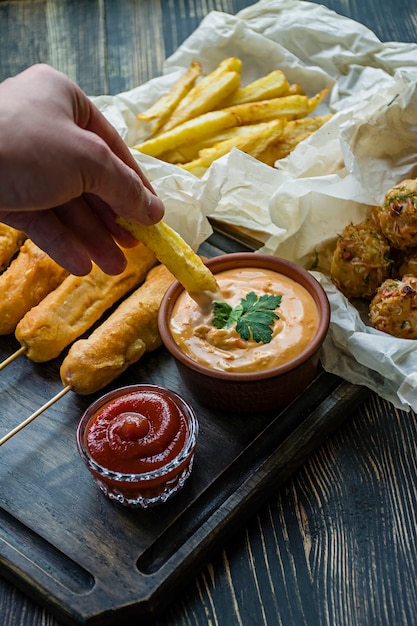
(88, 227)
(47, 232)
(73, 235)
(117, 184)
(106, 214)
(67, 201)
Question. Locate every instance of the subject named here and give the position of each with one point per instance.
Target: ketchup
(137, 433)
(138, 442)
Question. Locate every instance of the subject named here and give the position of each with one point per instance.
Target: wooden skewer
(12, 357)
(29, 419)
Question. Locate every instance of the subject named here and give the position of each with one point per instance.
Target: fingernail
(156, 208)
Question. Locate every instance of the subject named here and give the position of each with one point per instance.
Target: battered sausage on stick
(10, 242)
(76, 304)
(129, 332)
(27, 280)
(171, 250)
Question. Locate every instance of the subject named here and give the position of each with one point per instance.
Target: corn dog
(10, 242)
(27, 280)
(129, 332)
(76, 304)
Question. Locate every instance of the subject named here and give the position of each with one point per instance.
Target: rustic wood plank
(134, 54)
(390, 21)
(69, 35)
(337, 544)
(76, 42)
(102, 44)
(23, 35)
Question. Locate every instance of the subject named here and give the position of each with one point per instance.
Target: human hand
(67, 174)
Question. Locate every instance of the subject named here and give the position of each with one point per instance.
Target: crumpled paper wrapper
(296, 210)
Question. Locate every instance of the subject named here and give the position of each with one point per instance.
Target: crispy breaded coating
(129, 332)
(393, 309)
(10, 242)
(27, 280)
(361, 260)
(76, 304)
(397, 217)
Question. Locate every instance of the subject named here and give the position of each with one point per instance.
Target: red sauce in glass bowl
(139, 442)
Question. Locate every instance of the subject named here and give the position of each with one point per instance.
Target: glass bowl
(138, 442)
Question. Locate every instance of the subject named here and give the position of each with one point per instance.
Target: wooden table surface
(337, 544)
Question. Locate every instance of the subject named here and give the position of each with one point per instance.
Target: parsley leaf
(254, 316)
(222, 312)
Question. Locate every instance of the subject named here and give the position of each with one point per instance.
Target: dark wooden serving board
(91, 561)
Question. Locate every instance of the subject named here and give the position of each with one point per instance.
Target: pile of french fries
(203, 117)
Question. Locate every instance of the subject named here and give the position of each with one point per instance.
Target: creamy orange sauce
(224, 349)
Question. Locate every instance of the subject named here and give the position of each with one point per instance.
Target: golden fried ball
(393, 309)
(397, 218)
(360, 261)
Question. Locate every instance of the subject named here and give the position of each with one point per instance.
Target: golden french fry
(205, 136)
(273, 85)
(290, 107)
(176, 93)
(314, 102)
(294, 89)
(163, 108)
(171, 250)
(201, 127)
(280, 149)
(190, 152)
(207, 93)
(249, 143)
(205, 125)
(294, 132)
(177, 155)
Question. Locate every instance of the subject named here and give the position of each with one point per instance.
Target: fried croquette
(397, 217)
(361, 260)
(393, 309)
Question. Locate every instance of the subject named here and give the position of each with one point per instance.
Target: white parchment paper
(333, 178)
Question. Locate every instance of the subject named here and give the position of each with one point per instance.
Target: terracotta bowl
(258, 391)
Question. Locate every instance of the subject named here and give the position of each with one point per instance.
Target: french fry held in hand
(180, 259)
(198, 133)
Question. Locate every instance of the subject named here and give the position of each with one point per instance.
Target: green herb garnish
(254, 316)
(399, 198)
